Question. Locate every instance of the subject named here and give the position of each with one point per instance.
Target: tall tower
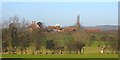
(78, 19)
(78, 23)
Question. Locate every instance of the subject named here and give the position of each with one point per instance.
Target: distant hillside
(105, 27)
(108, 27)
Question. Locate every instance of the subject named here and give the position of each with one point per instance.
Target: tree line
(16, 37)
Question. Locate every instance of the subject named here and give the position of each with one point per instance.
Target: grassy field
(60, 56)
(90, 52)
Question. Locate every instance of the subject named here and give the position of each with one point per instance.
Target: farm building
(33, 26)
(69, 29)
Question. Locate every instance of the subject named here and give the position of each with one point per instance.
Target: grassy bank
(60, 56)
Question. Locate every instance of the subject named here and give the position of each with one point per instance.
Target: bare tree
(24, 36)
(14, 32)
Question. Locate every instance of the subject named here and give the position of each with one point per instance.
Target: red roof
(70, 29)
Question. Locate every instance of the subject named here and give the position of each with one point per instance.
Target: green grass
(60, 56)
(90, 52)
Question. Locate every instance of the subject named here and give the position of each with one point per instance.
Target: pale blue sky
(64, 13)
(60, 0)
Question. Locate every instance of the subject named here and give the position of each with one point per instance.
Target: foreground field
(60, 56)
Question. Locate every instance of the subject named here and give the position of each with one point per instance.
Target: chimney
(32, 22)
